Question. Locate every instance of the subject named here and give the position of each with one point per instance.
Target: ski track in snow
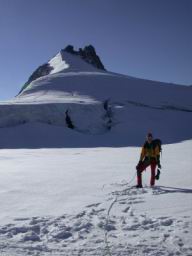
(111, 227)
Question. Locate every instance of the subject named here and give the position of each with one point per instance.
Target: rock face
(43, 70)
(88, 53)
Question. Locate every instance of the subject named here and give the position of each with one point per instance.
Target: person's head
(149, 137)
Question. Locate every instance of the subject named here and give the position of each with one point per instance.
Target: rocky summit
(88, 54)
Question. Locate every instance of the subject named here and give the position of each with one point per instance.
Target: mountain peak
(63, 62)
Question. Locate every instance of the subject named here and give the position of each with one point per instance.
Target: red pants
(141, 167)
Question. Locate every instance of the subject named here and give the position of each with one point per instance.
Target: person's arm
(142, 154)
(141, 158)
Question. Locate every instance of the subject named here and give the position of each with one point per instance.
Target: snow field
(79, 202)
(69, 192)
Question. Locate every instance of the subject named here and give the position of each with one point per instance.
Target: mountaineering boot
(138, 186)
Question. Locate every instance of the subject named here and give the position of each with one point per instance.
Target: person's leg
(140, 169)
(153, 167)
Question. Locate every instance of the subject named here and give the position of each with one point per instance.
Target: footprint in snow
(126, 209)
(93, 205)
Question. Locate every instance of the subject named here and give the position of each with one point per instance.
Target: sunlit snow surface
(69, 192)
(77, 202)
(57, 64)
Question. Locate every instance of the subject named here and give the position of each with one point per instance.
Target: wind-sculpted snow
(88, 118)
(44, 125)
(135, 107)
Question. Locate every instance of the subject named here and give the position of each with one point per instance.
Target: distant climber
(68, 120)
(150, 156)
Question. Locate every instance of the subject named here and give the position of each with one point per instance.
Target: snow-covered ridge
(58, 64)
(83, 60)
(101, 102)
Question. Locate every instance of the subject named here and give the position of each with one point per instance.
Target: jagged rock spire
(88, 53)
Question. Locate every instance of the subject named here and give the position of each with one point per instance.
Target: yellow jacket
(150, 151)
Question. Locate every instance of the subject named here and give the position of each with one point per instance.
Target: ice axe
(157, 176)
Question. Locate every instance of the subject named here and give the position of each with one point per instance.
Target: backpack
(158, 142)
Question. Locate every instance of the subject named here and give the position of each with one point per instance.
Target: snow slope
(78, 201)
(79, 87)
(69, 192)
(57, 64)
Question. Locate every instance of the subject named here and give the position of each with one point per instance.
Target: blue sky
(143, 38)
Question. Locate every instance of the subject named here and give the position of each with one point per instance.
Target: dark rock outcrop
(69, 48)
(43, 70)
(40, 71)
(88, 53)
